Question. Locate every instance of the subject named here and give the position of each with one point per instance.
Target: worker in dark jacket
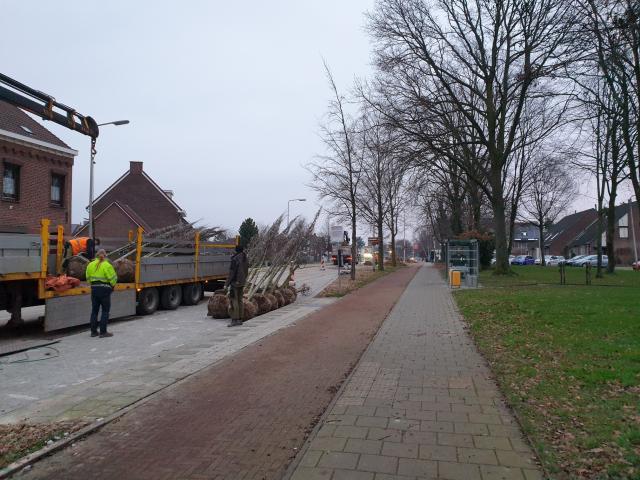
(238, 272)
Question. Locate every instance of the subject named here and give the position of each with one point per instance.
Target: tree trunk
(541, 240)
(502, 249)
(393, 248)
(611, 232)
(354, 244)
(380, 246)
(599, 273)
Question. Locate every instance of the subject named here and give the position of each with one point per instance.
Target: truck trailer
(167, 276)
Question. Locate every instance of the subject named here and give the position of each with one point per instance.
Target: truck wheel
(171, 297)
(191, 293)
(148, 301)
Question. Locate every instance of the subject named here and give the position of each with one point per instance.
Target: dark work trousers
(237, 305)
(100, 297)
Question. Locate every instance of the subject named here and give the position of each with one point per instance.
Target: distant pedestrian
(238, 273)
(102, 278)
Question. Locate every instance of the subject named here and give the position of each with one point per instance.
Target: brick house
(627, 228)
(133, 200)
(525, 240)
(562, 233)
(36, 169)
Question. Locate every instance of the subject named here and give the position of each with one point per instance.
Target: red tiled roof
(12, 119)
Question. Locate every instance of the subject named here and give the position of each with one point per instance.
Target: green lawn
(568, 360)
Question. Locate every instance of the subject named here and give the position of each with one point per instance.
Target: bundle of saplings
(273, 259)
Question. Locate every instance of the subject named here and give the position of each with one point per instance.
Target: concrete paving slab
(445, 417)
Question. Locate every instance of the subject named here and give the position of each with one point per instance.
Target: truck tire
(148, 301)
(191, 293)
(170, 297)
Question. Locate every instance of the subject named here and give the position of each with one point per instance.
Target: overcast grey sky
(224, 98)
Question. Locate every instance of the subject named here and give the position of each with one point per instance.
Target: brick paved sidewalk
(420, 404)
(244, 418)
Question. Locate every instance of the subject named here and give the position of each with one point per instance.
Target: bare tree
(396, 196)
(336, 175)
(486, 64)
(615, 25)
(377, 144)
(550, 192)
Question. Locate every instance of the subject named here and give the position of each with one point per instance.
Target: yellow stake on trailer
(197, 256)
(138, 254)
(59, 249)
(44, 259)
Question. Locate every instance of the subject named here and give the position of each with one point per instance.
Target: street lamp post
(289, 202)
(93, 155)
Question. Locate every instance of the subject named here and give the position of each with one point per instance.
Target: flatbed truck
(176, 273)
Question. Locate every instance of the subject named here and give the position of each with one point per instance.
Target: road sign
(336, 234)
(373, 240)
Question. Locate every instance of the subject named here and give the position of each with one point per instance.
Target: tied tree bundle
(274, 255)
(218, 306)
(125, 269)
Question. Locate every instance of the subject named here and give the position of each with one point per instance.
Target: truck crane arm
(45, 106)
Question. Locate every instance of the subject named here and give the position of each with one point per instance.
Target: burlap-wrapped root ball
(125, 269)
(272, 300)
(289, 296)
(77, 267)
(218, 306)
(279, 298)
(293, 293)
(263, 304)
(250, 310)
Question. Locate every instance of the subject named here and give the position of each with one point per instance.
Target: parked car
(523, 260)
(592, 260)
(493, 260)
(553, 260)
(572, 261)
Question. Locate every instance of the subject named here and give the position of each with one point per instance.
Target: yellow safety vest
(101, 272)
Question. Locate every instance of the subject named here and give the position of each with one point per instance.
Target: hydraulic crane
(46, 107)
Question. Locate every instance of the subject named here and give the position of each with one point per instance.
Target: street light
(93, 154)
(289, 202)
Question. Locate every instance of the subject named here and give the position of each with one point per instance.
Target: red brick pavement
(245, 417)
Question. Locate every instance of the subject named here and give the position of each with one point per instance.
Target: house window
(11, 182)
(623, 226)
(57, 189)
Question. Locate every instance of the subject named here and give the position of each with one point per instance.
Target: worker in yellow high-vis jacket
(103, 279)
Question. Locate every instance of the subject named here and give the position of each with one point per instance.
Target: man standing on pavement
(238, 272)
(103, 279)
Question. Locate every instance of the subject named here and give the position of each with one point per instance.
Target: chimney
(135, 167)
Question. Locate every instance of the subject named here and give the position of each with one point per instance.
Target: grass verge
(568, 360)
(364, 275)
(19, 440)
